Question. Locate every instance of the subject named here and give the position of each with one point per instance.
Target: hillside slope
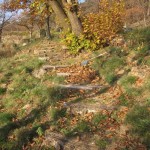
(51, 99)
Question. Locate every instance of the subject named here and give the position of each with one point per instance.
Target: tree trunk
(1, 30)
(48, 27)
(75, 22)
(71, 10)
(60, 13)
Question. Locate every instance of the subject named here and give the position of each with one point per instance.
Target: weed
(40, 131)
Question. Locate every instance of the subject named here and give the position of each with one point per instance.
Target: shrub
(103, 26)
(98, 29)
(76, 44)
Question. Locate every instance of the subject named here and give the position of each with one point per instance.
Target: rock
(80, 87)
(4, 85)
(81, 108)
(63, 74)
(140, 72)
(118, 41)
(49, 67)
(64, 47)
(131, 57)
(39, 73)
(26, 106)
(24, 44)
(120, 72)
(44, 58)
(54, 139)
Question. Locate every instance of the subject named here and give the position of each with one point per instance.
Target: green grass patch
(6, 117)
(56, 113)
(101, 143)
(128, 80)
(97, 118)
(139, 119)
(124, 101)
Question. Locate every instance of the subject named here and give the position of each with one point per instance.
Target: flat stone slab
(63, 74)
(83, 108)
(49, 67)
(80, 87)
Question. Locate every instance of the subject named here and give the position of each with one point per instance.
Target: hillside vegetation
(37, 112)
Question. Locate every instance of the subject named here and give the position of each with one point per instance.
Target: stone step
(83, 108)
(63, 74)
(80, 87)
(49, 67)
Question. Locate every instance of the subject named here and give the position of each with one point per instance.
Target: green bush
(139, 119)
(77, 44)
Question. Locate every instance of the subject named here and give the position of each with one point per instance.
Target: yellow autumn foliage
(103, 26)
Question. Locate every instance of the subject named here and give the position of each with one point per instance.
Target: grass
(98, 118)
(45, 103)
(124, 101)
(101, 143)
(2, 90)
(127, 80)
(108, 66)
(6, 118)
(139, 119)
(57, 113)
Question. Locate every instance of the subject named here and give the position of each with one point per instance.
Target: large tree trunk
(48, 27)
(72, 13)
(75, 22)
(60, 13)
